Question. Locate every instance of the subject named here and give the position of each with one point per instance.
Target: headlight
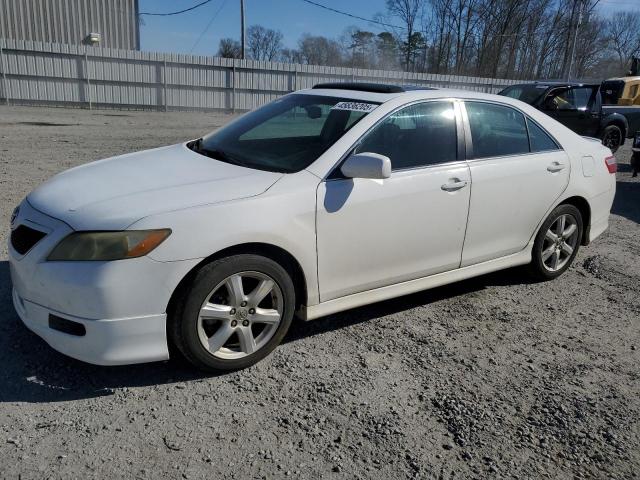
(85, 246)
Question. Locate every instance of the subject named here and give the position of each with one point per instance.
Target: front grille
(24, 238)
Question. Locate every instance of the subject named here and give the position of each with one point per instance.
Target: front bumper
(106, 342)
(121, 304)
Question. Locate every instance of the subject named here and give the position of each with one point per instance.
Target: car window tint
(287, 134)
(526, 93)
(418, 135)
(539, 139)
(582, 97)
(300, 121)
(565, 100)
(496, 130)
(577, 98)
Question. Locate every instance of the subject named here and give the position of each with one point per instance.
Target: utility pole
(242, 33)
(575, 38)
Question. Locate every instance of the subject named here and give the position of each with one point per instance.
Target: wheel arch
(583, 206)
(273, 252)
(617, 120)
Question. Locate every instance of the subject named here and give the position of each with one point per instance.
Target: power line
(176, 13)
(208, 25)
(352, 15)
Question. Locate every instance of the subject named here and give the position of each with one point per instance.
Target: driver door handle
(454, 185)
(555, 167)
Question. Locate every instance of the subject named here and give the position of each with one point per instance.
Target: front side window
(286, 135)
(415, 136)
(578, 98)
(496, 130)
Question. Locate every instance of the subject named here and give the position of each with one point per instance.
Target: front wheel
(234, 313)
(557, 243)
(612, 137)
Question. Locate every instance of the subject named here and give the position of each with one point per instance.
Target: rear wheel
(236, 311)
(557, 242)
(612, 137)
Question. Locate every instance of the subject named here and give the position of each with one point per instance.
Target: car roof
(354, 91)
(554, 84)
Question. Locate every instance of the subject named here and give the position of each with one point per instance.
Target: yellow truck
(624, 91)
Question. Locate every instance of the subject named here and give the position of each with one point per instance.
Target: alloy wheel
(612, 140)
(240, 315)
(559, 242)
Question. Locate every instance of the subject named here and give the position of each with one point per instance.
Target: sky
(188, 33)
(179, 33)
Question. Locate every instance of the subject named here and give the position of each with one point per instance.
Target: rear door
(517, 171)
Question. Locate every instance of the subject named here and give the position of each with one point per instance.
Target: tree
(623, 32)
(520, 39)
(318, 50)
(414, 49)
(387, 51)
(263, 43)
(229, 48)
(291, 55)
(408, 12)
(362, 47)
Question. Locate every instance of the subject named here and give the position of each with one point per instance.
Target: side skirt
(399, 289)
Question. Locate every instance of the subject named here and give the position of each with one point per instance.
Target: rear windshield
(525, 93)
(286, 135)
(611, 91)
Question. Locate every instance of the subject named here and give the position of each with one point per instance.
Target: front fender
(283, 217)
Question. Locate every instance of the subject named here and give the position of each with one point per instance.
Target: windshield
(286, 135)
(526, 93)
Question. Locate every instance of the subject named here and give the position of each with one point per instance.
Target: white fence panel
(58, 74)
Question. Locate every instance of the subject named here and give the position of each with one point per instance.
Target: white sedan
(323, 200)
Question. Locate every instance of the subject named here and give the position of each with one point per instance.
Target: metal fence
(69, 75)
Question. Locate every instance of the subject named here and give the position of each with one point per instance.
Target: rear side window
(539, 139)
(415, 136)
(496, 130)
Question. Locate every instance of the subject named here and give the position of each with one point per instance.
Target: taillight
(611, 163)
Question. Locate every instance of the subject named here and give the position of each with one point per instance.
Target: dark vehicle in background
(623, 91)
(579, 107)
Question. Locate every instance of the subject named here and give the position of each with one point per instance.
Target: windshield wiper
(215, 153)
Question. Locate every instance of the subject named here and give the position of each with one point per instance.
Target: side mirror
(366, 165)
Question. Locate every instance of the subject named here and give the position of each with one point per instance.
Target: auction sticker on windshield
(355, 106)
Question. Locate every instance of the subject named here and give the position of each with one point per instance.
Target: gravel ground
(491, 377)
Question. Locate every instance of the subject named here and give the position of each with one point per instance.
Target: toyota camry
(320, 201)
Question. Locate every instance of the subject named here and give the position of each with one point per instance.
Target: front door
(374, 233)
(576, 107)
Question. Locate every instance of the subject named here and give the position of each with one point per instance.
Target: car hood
(112, 194)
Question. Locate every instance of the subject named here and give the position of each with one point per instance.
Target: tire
(216, 305)
(612, 137)
(543, 264)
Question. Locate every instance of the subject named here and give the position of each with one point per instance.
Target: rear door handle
(454, 185)
(555, 167)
